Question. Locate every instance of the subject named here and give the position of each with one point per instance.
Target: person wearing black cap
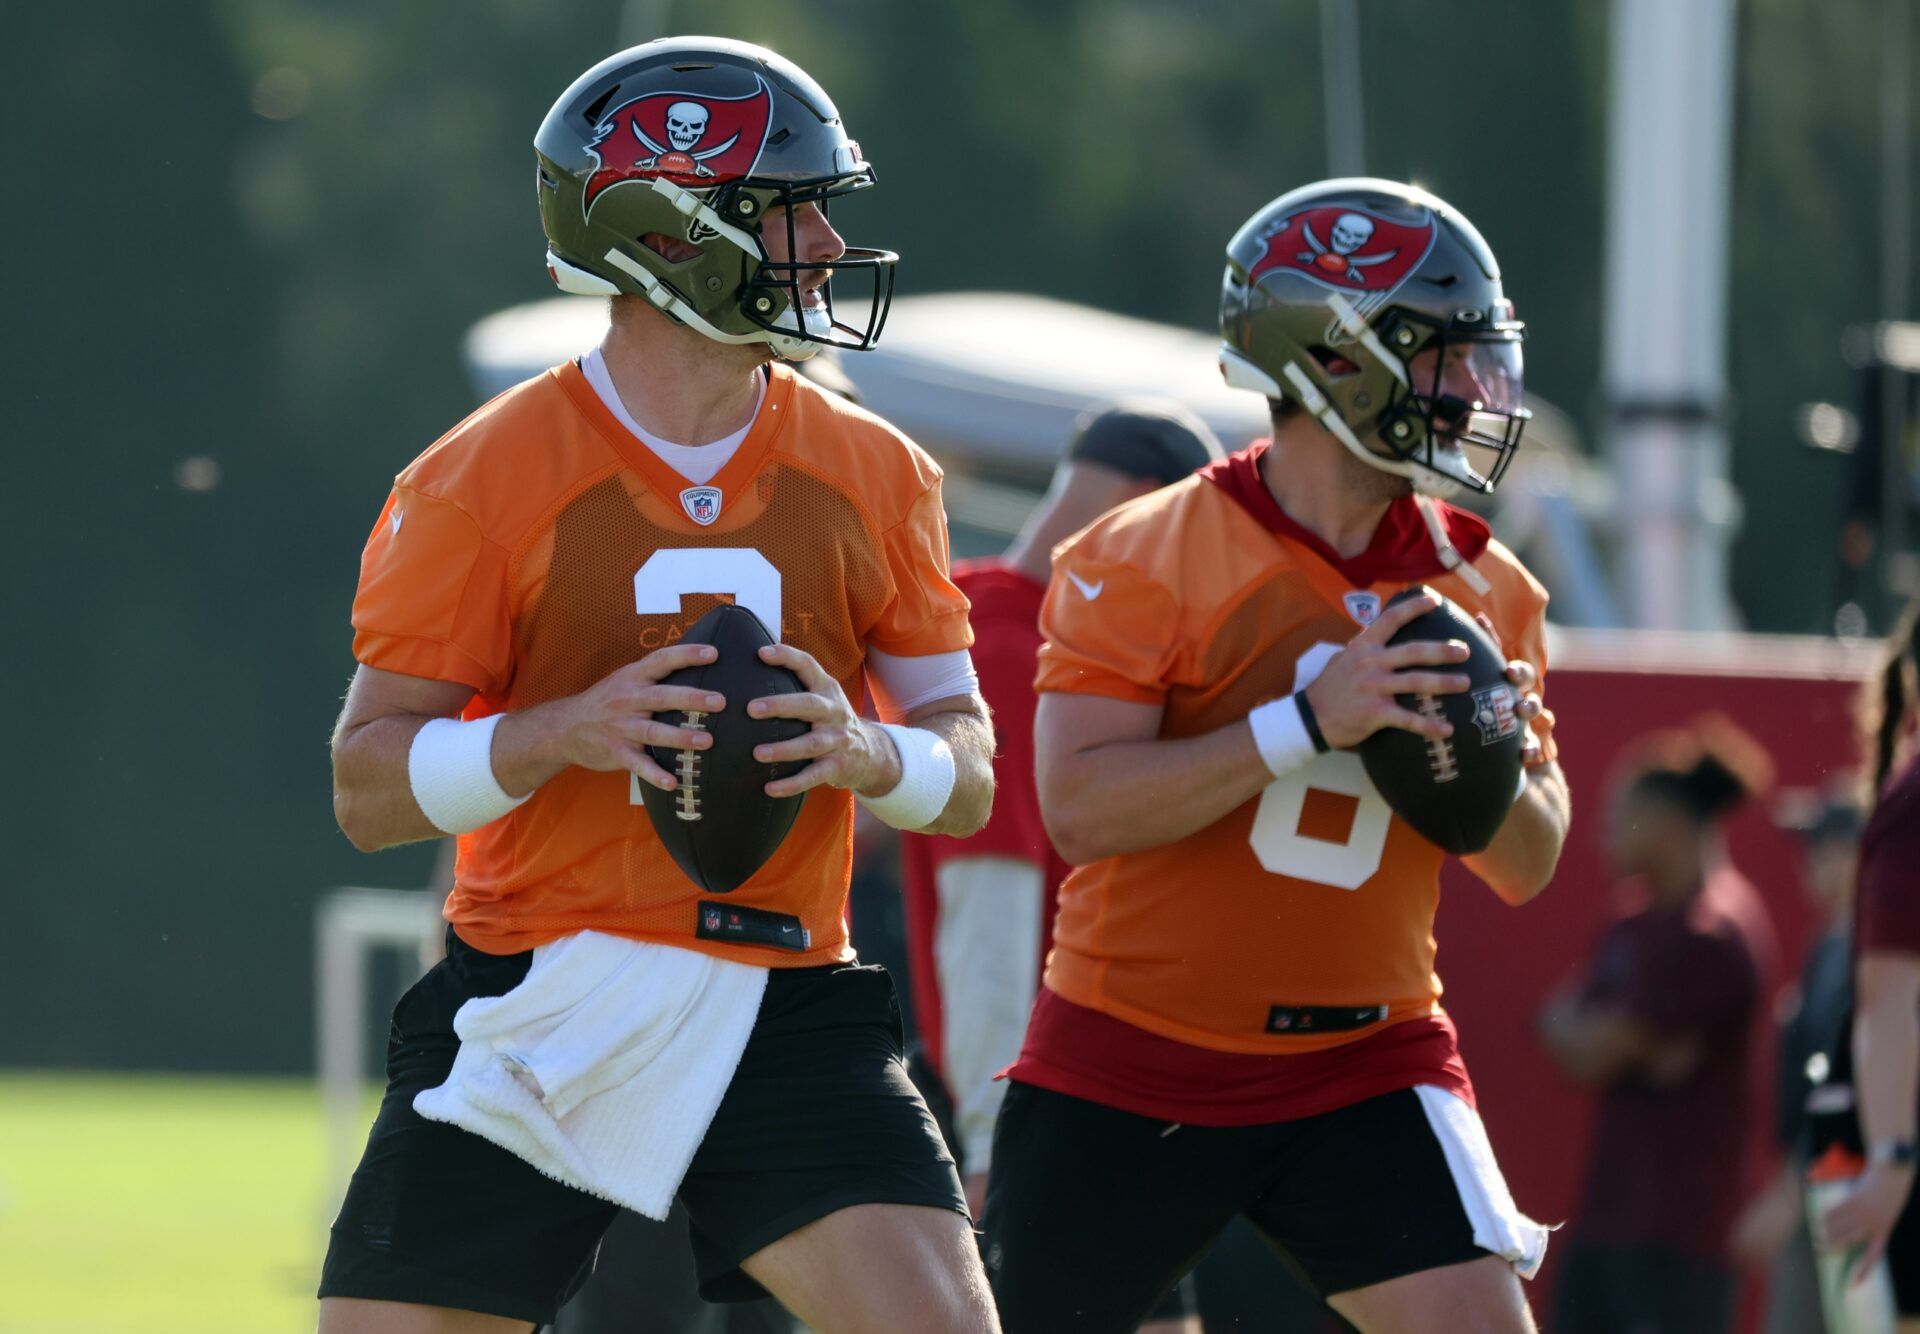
(979, 911)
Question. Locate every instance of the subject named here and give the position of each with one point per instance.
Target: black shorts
(820, 1116)
(1092, 1213)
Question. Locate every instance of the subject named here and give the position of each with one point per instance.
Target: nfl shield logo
(711, 919)
(1493, 714)
(1363, 607)
(702, 504)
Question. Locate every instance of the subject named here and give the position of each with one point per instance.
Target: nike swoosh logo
(1090, 591)
(397, 517)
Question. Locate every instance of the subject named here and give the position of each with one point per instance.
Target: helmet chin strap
(1329, 417)
(694, 206)
(688, 204)
(1444, 548)
(793, 347)
(662, 295)
(1428, 481)
(1428, 484)
(1361, 332)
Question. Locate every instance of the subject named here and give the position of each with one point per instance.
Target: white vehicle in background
(990, 383)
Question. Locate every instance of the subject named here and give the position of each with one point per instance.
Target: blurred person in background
(1663, 1027)
(1879, 1215)
(980, 910)
(1771, 1234)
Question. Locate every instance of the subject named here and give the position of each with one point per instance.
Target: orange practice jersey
(539, 546)
(1313, 894)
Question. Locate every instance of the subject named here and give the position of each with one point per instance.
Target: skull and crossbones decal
(1349, 232)
(686, 127)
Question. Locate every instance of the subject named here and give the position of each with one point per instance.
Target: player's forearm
(1128, 795)
(1520, 861)
(1886, 1045)
(1591, 1046)
(969, 735)
(373, 801)
(373, 798)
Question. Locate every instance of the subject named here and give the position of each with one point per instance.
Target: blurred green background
(250, 236)
(152, 1204)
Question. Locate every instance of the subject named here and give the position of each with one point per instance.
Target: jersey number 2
(1276, 837)
(741, 573)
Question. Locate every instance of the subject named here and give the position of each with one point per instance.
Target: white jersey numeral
(741, 573)
(1276, 838)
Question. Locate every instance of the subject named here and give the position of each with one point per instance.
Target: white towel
(604, 1067)
(1498, 1224)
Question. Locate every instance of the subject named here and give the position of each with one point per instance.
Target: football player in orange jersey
(1240, 1014)
(519, 603)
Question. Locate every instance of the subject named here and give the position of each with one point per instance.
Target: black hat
(1158, 440)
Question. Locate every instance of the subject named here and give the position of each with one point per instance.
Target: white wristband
(926, 779)
(450, 768)
(1281, 736)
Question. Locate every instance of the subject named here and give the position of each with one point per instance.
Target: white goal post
(349, 924)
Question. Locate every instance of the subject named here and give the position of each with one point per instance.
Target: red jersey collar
(1400, 547)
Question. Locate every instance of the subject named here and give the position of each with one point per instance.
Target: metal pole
(642, 21)
(1896, 250)
(1340, 81)
(1664, 366)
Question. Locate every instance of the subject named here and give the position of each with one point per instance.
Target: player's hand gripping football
(1354, 696)
(846, 750)
(609, 725)
(1523, 678)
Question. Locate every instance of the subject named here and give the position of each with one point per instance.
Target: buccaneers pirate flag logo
(1347, 250)
(690, 139)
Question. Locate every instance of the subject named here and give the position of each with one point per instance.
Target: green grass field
(135, 1204)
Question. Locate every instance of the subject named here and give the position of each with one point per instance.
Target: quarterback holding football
(1240, 1015)
(642, 1004)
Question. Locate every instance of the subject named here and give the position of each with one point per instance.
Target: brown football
(1455, 791)
(719, 824)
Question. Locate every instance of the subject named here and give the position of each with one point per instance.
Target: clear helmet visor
(1471, 393)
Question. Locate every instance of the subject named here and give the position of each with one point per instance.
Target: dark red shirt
(1084, 1053)
(1886, 903)
(1668, 1165)
(1005, 617)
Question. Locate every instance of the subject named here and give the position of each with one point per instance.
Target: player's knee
(1479, 1297)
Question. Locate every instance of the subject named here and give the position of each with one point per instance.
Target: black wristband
(1893, 1153)
(1311, 723)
